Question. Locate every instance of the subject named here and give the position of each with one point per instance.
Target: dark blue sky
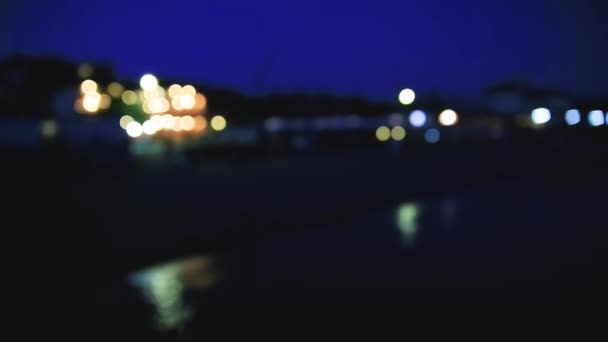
(370, 48)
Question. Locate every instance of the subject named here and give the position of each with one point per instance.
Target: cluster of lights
(595, 118)
(170, 123)
(417, 119)
(384, 133)
(156, 100)
(184, 101)
(91, 101)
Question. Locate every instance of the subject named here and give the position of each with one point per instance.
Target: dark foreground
(458, 240)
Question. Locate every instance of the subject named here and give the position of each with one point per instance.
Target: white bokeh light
(448, 118)
(596, 118)
(148, 82)
(134, 129)
(541, 116)
(407, 96)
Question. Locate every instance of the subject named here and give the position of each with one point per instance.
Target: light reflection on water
(164, 286)
(407, 222)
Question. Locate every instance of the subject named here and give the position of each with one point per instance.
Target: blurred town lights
(407, 96)
(189, 90)
(134, 129)
(175, 90)
(573, 117)
(596, 118)
(176, 103)
(218, 123)
(157, 121)
(115, 89)
(398, 133)
(129, 97)
(167, 121)
(91, 102)
(154, 106)
(88, 86)
(200, 102)
(541, 116)
(432, 135)
(448, 118)
(417, 118)
(85, 70)
(188, 123)
(187, 101)
(105, 101)
(383, 133)
(150, 127)
(177, 124)
(148, 82)
(125, 120)
(200, 123)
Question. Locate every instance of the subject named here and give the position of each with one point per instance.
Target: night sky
(370, 48)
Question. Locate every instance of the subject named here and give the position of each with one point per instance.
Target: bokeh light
(398, 133)
(105, 102)
(154, 106)
(167, 121)
(49, 129)
(383, 133)
(541, 116)
(150, 127)
(573, 117)
(115, 89)
(200, 123)
(176, 103)
(91, 102)
(407, 96)
(448, 118)
(189, 90)
(158, 92)
(175, 90)
(218, 123)
(129, 97)
(165, 105)
(200, 102)
(177, 124)
(432, 135)
(88, 86)
(596, 118)
(124, 121)
(85, 70)
(188, 123)
(148, 82)
(187, 101)
(417, 118)
(157, 121)
(134, 129)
